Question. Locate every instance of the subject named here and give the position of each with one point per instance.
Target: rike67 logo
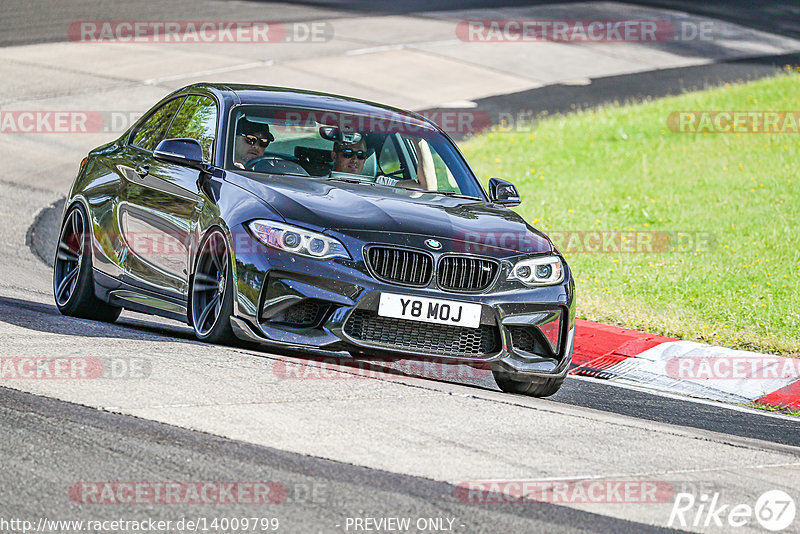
(774, 510)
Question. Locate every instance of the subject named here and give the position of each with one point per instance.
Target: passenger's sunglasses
(252, 140)
(349, 153)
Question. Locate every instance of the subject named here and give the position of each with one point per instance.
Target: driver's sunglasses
(252, 140)
(349, 153)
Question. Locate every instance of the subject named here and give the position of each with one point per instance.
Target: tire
(73, 283)
(211, 293)
(533, 386)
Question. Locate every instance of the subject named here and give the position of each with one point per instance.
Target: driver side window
(152, 131)
(197, 119)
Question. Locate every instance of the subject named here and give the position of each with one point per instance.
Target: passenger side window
(444, 178)
(445, 181)
(389, 160)
(197, 119)
(152, 131)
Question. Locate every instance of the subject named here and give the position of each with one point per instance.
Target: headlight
(542, 271)
(297, 240)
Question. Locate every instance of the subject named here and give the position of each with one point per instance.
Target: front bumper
(526, 331)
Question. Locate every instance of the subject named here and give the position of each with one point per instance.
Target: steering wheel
(275, 165)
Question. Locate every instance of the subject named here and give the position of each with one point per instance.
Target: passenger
(252, 138)
(426, 168)
(349, 157)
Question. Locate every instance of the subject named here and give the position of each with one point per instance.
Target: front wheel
(534, 386)
(212, 291)
(73, 284)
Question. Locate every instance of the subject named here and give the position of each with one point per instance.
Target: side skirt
(118, 293)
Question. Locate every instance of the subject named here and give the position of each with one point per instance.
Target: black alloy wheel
(73, 284)
(212, 291)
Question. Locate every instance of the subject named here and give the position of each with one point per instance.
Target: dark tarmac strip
(676, 411)
(22, 22)
(49, 445)
(522, 109)
(593, 394)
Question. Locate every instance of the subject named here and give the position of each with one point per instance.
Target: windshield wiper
(261, 173)
(349, 180)
(357, 181)
(455, 194)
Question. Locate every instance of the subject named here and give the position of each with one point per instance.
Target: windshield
(391, 150)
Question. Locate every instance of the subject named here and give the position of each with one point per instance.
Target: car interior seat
(317, 161)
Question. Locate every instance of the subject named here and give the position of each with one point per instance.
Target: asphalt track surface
(56, 439)
(39, 21)
(48, 444)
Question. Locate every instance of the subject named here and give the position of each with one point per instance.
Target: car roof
(289, 97)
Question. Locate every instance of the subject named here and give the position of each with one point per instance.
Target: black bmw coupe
(316, 222)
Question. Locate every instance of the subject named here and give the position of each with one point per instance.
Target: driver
(250, 142)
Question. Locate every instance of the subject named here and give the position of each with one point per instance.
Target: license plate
(430, 310)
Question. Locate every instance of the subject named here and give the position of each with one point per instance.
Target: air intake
(400, 266)
(466, 273)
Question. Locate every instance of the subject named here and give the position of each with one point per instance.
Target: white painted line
(232, 68)
(646, 474)
(374, 49)
(577, 81)
(464, 104)
(401, 46)
(444, 42)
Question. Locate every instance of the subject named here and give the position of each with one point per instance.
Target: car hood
(363, 210)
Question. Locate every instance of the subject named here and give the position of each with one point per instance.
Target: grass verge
(722, 211)
(771, 408)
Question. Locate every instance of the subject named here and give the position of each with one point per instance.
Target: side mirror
(186, 152)
(502, 192)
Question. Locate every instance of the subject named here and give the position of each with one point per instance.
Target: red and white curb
(684, 367)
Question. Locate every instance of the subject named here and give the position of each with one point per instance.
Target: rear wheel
(212, 291)
(534, 386)
(73, 284)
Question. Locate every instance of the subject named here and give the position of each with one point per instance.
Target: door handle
(143, 171)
